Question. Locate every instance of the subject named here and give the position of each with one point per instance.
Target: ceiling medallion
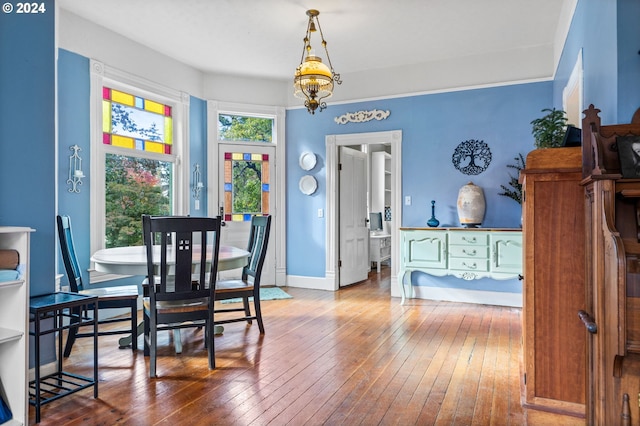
(471, 157)
(362, 116)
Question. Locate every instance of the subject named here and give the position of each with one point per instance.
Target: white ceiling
(264, 37)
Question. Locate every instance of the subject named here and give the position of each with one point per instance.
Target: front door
(247, 187)
(354, 234)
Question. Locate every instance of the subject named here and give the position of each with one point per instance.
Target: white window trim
(102, 75)
(278, 139)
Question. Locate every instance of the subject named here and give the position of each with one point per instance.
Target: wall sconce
(75, 170)
(197, 185)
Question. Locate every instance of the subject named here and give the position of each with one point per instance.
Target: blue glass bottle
(433, 222)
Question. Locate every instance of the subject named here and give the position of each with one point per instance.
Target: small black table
(48, 313)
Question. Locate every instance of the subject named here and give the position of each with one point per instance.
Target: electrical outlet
(320, 213)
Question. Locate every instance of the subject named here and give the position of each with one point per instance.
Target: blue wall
(198, 151)
(608, 34)
(27, 142)
(74, 129)
(27, 135)
(432, 126)
(628, 59)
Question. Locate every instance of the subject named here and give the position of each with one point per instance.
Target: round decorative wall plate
(471, 157)
(308, 184)
(307, 161)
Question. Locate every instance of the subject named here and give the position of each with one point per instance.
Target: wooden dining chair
(182, 262)
(248, 285)
(109, 298)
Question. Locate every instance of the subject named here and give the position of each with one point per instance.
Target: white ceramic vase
(471, 205)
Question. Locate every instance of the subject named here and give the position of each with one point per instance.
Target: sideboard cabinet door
(506, 249)
(554, 281)
(425, 249)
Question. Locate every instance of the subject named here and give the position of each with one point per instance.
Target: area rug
(266, 293)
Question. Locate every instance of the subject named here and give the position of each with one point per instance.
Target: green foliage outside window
(134, 186)
(239, 128)
(247, 187)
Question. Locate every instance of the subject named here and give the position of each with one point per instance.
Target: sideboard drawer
(471, 265)
(468, 238)
(479, 252)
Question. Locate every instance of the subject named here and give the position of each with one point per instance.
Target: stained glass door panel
(247, 188)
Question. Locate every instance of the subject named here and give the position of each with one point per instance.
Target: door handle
(588, 322)
(222, 223)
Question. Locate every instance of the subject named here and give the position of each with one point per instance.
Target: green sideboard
(467, 253)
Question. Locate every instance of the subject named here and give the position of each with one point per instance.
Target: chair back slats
(65, 235)
(257, 247)
(181, 244)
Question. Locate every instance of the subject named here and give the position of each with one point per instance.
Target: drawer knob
(469, 240)
(472, 266)
(469, 253)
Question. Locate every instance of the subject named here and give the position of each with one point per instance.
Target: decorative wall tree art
(471, 157)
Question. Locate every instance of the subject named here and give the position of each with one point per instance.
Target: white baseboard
(45, 370)
(313, 283)
(496, 298)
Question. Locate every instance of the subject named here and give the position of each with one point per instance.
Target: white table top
(133, 260)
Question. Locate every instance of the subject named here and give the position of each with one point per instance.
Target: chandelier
(314, 80)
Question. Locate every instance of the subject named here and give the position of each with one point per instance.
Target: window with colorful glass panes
(137, 136)
(246, 175)
(246, 185)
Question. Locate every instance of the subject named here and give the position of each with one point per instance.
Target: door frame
(332, 142)
(277, 211)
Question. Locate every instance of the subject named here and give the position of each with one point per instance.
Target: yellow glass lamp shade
(313, 79)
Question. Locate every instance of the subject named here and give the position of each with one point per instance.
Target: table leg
(126, 341)
(177, 340)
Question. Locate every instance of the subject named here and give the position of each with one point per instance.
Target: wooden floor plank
(355, 356)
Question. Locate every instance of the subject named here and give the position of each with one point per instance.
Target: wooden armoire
(553, 226)
(612, 312)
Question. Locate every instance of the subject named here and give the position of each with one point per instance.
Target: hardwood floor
(345, 358)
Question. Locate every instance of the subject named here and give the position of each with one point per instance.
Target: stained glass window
(133, 122)
(246, 185)
(140, 182)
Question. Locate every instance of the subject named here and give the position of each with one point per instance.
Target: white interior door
(354, 235)
(247, 187)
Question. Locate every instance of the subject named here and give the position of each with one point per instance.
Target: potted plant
(548, 130)
(515, 190)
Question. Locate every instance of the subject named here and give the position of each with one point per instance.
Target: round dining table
(132, 260)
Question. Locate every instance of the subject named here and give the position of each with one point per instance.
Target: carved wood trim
(362, 116)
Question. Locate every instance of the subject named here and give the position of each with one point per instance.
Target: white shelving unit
(381, 184)
(14, 323)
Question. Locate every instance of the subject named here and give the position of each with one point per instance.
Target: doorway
(333, 142)
(248, 166)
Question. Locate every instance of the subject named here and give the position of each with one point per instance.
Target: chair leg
(153, 346)
(134, 326)
(209, 338)
(247, 310)
(256, 306)
(71, 336)
(146, 334)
